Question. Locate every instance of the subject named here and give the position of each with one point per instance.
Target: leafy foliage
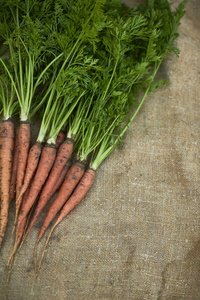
(83, 62)
(153, 31)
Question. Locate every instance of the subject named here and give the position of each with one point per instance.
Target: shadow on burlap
(136, 235)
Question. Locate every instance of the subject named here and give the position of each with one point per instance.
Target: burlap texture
(136, 234)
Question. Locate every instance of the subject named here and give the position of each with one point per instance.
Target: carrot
(14, 167)
(78, 194)
(62, 157)
(20, 230)
(32, 163)
(72, 178)
(25, 197)
(64, 193)
(44, 167)
(60, 139)
(12, 258)
(24, 143)
(62, 177)
(7, 145)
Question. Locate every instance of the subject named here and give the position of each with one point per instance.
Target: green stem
(12, 80)
(43, 72)
(103, 154)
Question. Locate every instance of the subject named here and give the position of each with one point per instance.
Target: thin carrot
(62, 157)
(24, 143)
(14, 167)
(7, 145)
(20, 230)
(44, 167)
(64, 193)
(24, 199)
(17, 240)
(78, 194)
(32, 163)
(72, 178)
(60, 139)
(62, 177)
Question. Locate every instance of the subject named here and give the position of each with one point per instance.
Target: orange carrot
(62, 157)
(24, 143)
(32, 163)
(20, 230)
(60, 139)
(14, 167)
(7, 145)
(79, 193)
(44, 167)
(72, 178)
(62, 177)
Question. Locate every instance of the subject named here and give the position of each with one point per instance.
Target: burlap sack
(136, 234)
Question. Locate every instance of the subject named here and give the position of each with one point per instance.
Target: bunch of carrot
(79, 66)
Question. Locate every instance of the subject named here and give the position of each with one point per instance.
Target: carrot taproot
(18, 238)
(60, 139)
(7, 145)
(63, 155)
(20, 230)
(78, 194)
(14, 167)
(58, 203)
(56, 187)
(72, 178)
(32, 163)
(46, 162)
(62, 177)
(24, 143)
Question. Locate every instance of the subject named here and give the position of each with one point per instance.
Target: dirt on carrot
(72, 178)
(44, 167)
(6, 147)
(32, 163)
(60, 139)
(14, 167)
(24, 144)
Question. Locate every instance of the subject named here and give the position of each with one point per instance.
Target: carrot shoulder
(7, 145)
(60, 139)
(44, 167)
(63, 155)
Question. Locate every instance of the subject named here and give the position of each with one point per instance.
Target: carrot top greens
(162, 23)
(57, 48)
